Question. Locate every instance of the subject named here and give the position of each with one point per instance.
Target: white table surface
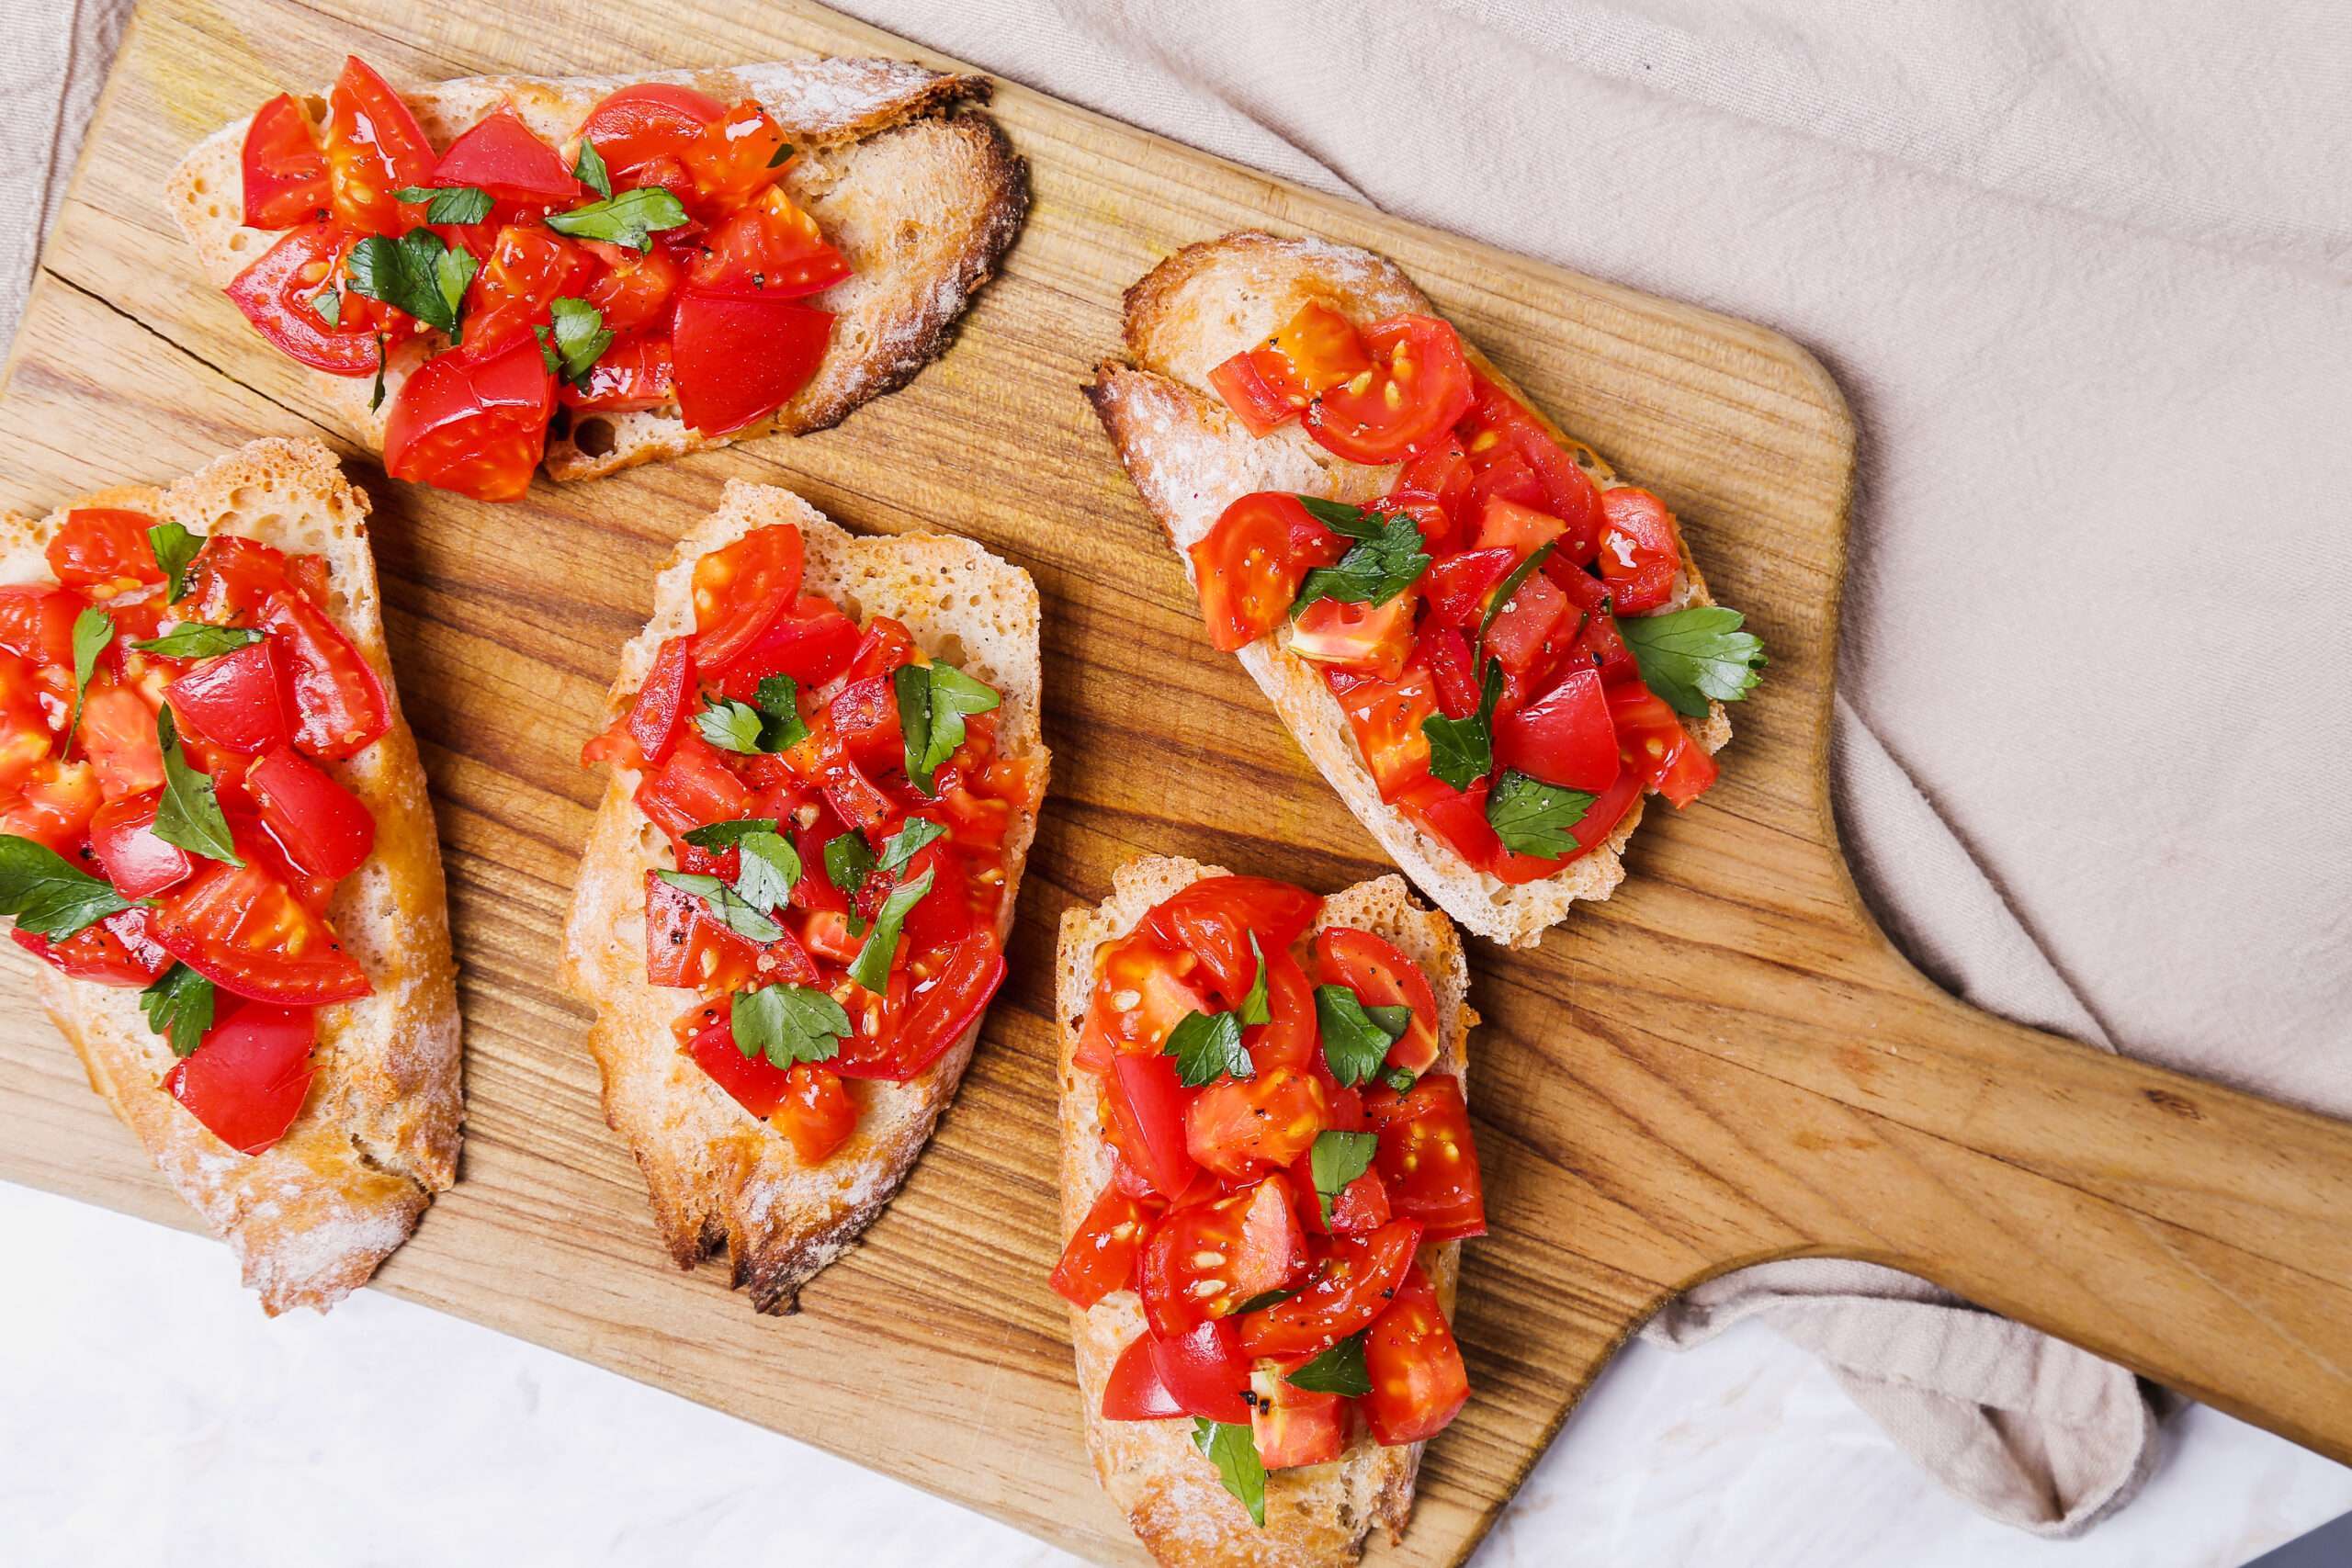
(152, 1416)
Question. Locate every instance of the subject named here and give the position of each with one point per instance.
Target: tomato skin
(326, 831)
(248, 1079)
(1385, 717)
(1427, 1160)
(1352, 1288)
(1641, 549)
(1237, 1128)
(1656, 747)
(865, 713)
(1418, 1384)
(278, 292)
(1133, 1392)
(653, 120)
(118, 734)
(1257, 403)
(741, 589)
(1142, 991)
(658, 710)
(118, 950)
(235, 701)
(477, 426)
(1272, 384)
(1202, 1372)
(1521, 630)
(243, 929)
(500, 154)
(816, 1114)
(527, 267)
(104, 547)
(1146, 1100)
(1565, 737)
(1249, 564)
(812, 643)
(140, 864)
(768, 249)
(1290, 1426)
(374, 148)
(1417, 359)
(1101, 1255)
(1381, 975)
(739, 360)
(1373, 639)
(752, 1082)
(53, 805)
(285, 173)
(338, 702)
(1215, 916)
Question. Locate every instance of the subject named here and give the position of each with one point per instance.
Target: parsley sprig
(932, 701)
(1388, 556)
(447, 204)
(630, 219)
(1688, 655)
(1532, 817)
(180, 1007)
(417, 273)
(1336, 1159)
(574, 339)
(1356, 1038)
(788, 1023)
(48, 895)
(1234, 1451)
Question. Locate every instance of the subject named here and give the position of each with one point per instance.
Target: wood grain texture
(1723, 1065)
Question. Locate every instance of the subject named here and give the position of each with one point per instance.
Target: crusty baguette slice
(1316, 1516)
(1191, 460)
(716, 1174)
(311, 1217)
(917, 186)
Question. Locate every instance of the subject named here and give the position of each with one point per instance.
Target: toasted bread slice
(311, 1217)
(917, 188)
(716, 1173)
(1191, 460)
(1317, 1515)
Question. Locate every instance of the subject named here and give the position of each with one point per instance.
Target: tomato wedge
(1206, 1260)
(1418, 386)
(285, 173)
(1145, 1101)
(1237, 1128)
(279, 294)
(659, 708)
(248, 1079)
(632, 290)
(738, 360)
(1292, 1426)
(691, 790)
(104, 547)
(811, 642)
(1418, 1384)
(1385, 717)
(243, 929)
(1215, 916)
(1640, 550)
(374, 148)
(118, 734)
(752, 1082)
(1427, 1161)
(1204, 1372)
(1565, 737)
(1269, 386)
(338, 702)
(770, 248)
(1100, 1255)
(633, 375)
(501, 156)
(1371, 639)
(637, 125)
(235, 701)
(118, 950)
(1657, 747)
(1382, 977)
(941, 1008)
(1133, 1392)
(140, 864)
(326, 831)
(477, 426)
(1513, 454)
(816, 1114)
(1351, 1287)
(738, 590)
(1249, 564)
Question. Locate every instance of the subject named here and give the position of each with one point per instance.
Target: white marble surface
(153, 1418)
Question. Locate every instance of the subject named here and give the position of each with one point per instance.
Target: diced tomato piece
(1147, 1101)
(693, 789)
(37, 625)
(338, 702)
(1459, 585)
(652, 121)
(741, 589)
(752, 1082)
(634, 290)
(1418, 1384)
(885, 646)
(1142, 991)
(118, 734)
(279, 293)
(856, 799)
(811, 642)
(501, 156)
(1101, 1255)
(1453, 669)
(1640, 549)
(118, 950)
(1417, 386)
(1427, 1160)
(1249, 564)
(285, 173)
(1520, 630)
(1565, 737)
(53, 805)
(1204, 1372)
(140, 864)
(1381, 975)
(1386, 717)
(826, 932)
(248, 1079)
(739, 359)
(1361, 1207)
(1204, 1260)
(1435, 487)
(1352, 1287)
(1656, 746)
(235, 701)
(1255, 402)
(477, 425)
(659, 711)
(1290, 1426)
(633, 375)
(1505, 524)
(768, 249)
(865, 713)
(1598, 642)
(1133, 1392)
(374, 149)
(1215, 916)
(1372, 639)
(244, 929)
(104, 547)
(324, 829)
(529, 267)
(1273, 383)
(816, 1114)
(1501, 436)
(936, 1010)
(1240, 1127)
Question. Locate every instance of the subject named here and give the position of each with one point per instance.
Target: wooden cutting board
(1725, 1064)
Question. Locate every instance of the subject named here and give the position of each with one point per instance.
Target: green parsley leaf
(1337, 1159)
(1401, 1080)
(932, 700)
(48, 895)
(1253, 1008)
(1373, 572)
(581, 338)
(871, 968)
(193, 639)
(92, 631)
(907, 843)
(629, 219)
(1461, 751)
(328, 303)
(447, 204)
(1356, 1038)
(783, 155)
(1338, 1370)
(589, 169)
(778, 697)
(1208, 1046)
(376, 398)
(1504, 593)
(770, 723)
(769, 865)
(1358, 523)
(1691, 655)
(188, 816)
(721, 837)
(727, 906)
(1532, 817)
(787, 1024)
(1235, 1453)
(179, 1008)
(848, 862)
(175, 548)
(416, 274)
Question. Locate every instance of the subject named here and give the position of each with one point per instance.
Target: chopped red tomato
(325, 831)
(816, 1114)
(1292, 1426)
(1249, 564)
(1565, 737)
(118, 734)
(634, 290)
(740, 589)
(477, 426)
(528, 269)
(739, 360)
(235, 701)
(940, 1009)
(104, 547)
(1500, 433)
(1145, 1101)
(1372, 639)
(1386, 718)
(285, 174)
(338, 702)
(1204, 1372)
(243, 929)
(770, 248)
(1656, 746)
(1598, 641)
(1101, 1257)
(118, 950)
(1143, 989)
(53, 805)
(248, 1079)
(752, 1082)
(375, 148)
(1459, 585)
(659, 711)
(501, 156)
(633, 375)
(280, 294)
(1272, 384)
(1207, 1260)
(693, 789)
(1418, 1384)
(1382, 977)
(1518, 634)
(637, 125)
(812, 642)
(865, 713)
(1215, 916)
(1417, 386)
(1351, 1287)
(1640, 550)
(1426, 1159)
(1133, 1392)
(140, 864)
(1237, 1128)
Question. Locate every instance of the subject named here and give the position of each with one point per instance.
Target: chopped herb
(179, 1008)
(771, 722)
(768, 868)
(786, 1024)
(1691, 655)
(932, 701)
(1401, 1080)
(727, 906)
(1461, 751)
(783, 155)
(416, 274)
(1208, 1046)
(1356, 1038)
(871, 968)
(1263, 1299)
(589, 169)
(376, 398)
(1337, 1159)
(447, 204)
(92, 631)
(1338, 1370)
(580, 339)
(328, 303)
(1532, 817)
(1253, 1008)
(721, 837)
(629, 219)
(907, 843)
(1374, 571)
(848, 862)
(1235, 1453)
(1359, 522)
(175, 548)
(49, 895)
(193, 639)
(188, 815)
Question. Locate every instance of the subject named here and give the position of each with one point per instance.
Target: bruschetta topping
(165, 821)
(1285, 1144)
(656, 262)
(1502, 633)
(837, 810)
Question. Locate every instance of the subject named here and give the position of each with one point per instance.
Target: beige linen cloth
(2082, 270)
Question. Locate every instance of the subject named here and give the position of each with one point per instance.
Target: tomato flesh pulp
(706, 317)
(1418, 1384)
(755, 634)
(248, 1079)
